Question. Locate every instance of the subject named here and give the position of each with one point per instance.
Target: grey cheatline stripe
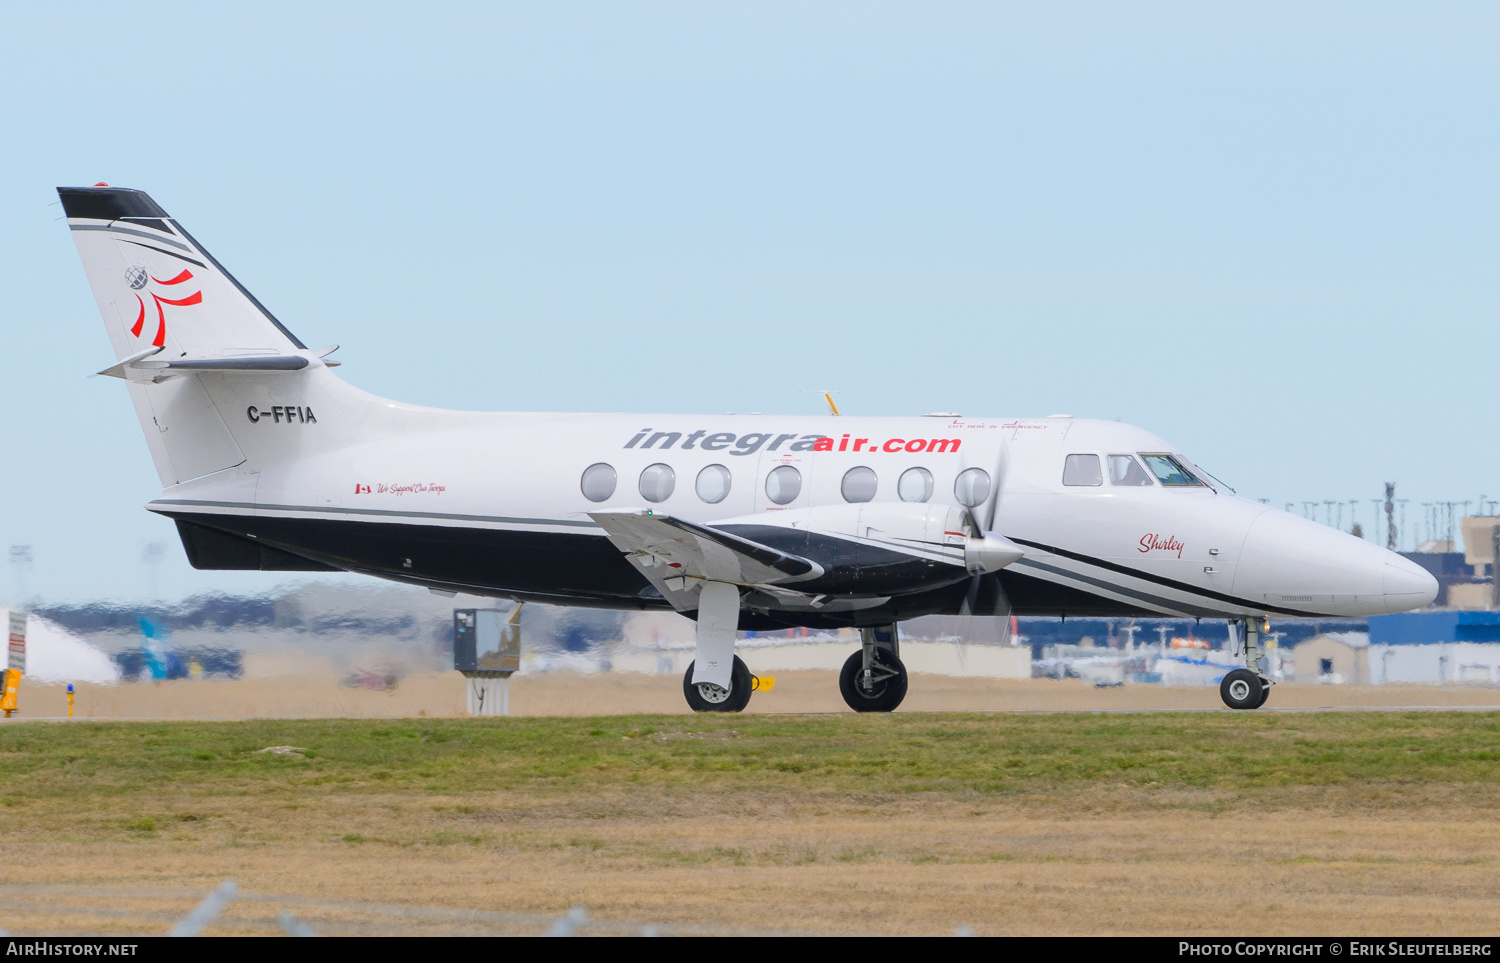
(1162, 580)
(162, 250)
(1152, 600)
(390, 513)
(920, 549)
(125, 230)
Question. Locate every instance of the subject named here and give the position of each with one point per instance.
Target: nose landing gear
(1248, 688)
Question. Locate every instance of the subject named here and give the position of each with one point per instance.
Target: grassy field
(1344, 822)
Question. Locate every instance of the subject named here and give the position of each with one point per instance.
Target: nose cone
(990, 553)
(1407, 585)
(1292, 563)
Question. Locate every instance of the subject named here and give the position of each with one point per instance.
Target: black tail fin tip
(108, 203)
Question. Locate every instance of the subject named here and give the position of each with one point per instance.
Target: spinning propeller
(985, 554)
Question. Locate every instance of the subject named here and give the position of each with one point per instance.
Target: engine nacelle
(904, 522)
(880, 547)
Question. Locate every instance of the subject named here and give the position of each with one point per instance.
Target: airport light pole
(1495, 567)
(20, 557)
(152, 555)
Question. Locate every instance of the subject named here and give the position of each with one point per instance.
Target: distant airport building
(1440, 646)
(1333, 658)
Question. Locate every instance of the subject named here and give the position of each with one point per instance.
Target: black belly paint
(587, 570)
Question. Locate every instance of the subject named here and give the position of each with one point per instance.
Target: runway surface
(323, 695)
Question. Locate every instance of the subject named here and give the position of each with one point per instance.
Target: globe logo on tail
(138, 278)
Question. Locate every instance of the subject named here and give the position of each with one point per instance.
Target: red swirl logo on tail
(138, 280)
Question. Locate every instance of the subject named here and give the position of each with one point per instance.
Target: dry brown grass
(875, 866)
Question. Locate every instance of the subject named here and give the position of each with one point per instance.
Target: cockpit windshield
(1207, 479)
(1169, 471)
(1125, 470)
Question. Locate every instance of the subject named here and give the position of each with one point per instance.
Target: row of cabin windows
(1084, 471)
(783, 484)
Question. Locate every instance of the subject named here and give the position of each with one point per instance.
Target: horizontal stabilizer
(272, 362)
(156, 369)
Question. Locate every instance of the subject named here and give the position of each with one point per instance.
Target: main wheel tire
(710, 698)
(1265, 693)
(884, 693)
(1242, 689)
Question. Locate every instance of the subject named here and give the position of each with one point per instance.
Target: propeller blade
(985, 598)
(966, 618)
(986, 513)
(978, 600)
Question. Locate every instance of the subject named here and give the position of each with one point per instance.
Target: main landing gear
(1248, 688)
(707, 697)
(873, 679)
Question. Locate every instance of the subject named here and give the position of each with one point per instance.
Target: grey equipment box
(487, 642)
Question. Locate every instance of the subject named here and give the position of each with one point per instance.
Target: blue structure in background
(1041, 631)
(1427, 628)
(156, 648)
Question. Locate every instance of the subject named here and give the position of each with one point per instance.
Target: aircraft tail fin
(157, 287)
(187, 336)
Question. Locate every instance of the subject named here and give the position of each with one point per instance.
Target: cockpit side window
(1125, 470)
(1169, 471)
(1082, 471)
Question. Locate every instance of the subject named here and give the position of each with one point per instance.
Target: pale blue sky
(1267, 232)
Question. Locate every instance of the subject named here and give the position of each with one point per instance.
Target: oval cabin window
(915, 485)
(657, 482)
(713, 484)
(972, 487)
(783, 484)
(859, 484)
(598, 482)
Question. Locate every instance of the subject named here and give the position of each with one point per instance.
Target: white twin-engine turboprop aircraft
(270, 461)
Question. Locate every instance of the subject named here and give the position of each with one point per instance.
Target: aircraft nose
(1300, 565)
(1407, 585)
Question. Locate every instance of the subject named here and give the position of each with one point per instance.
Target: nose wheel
(1243, 689)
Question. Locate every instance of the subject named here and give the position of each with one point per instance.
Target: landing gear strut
(873, 679)
(1248, 688)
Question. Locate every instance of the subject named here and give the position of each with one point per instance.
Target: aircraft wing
(678, 556)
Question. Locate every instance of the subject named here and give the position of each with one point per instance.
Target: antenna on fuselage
(833, 409)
